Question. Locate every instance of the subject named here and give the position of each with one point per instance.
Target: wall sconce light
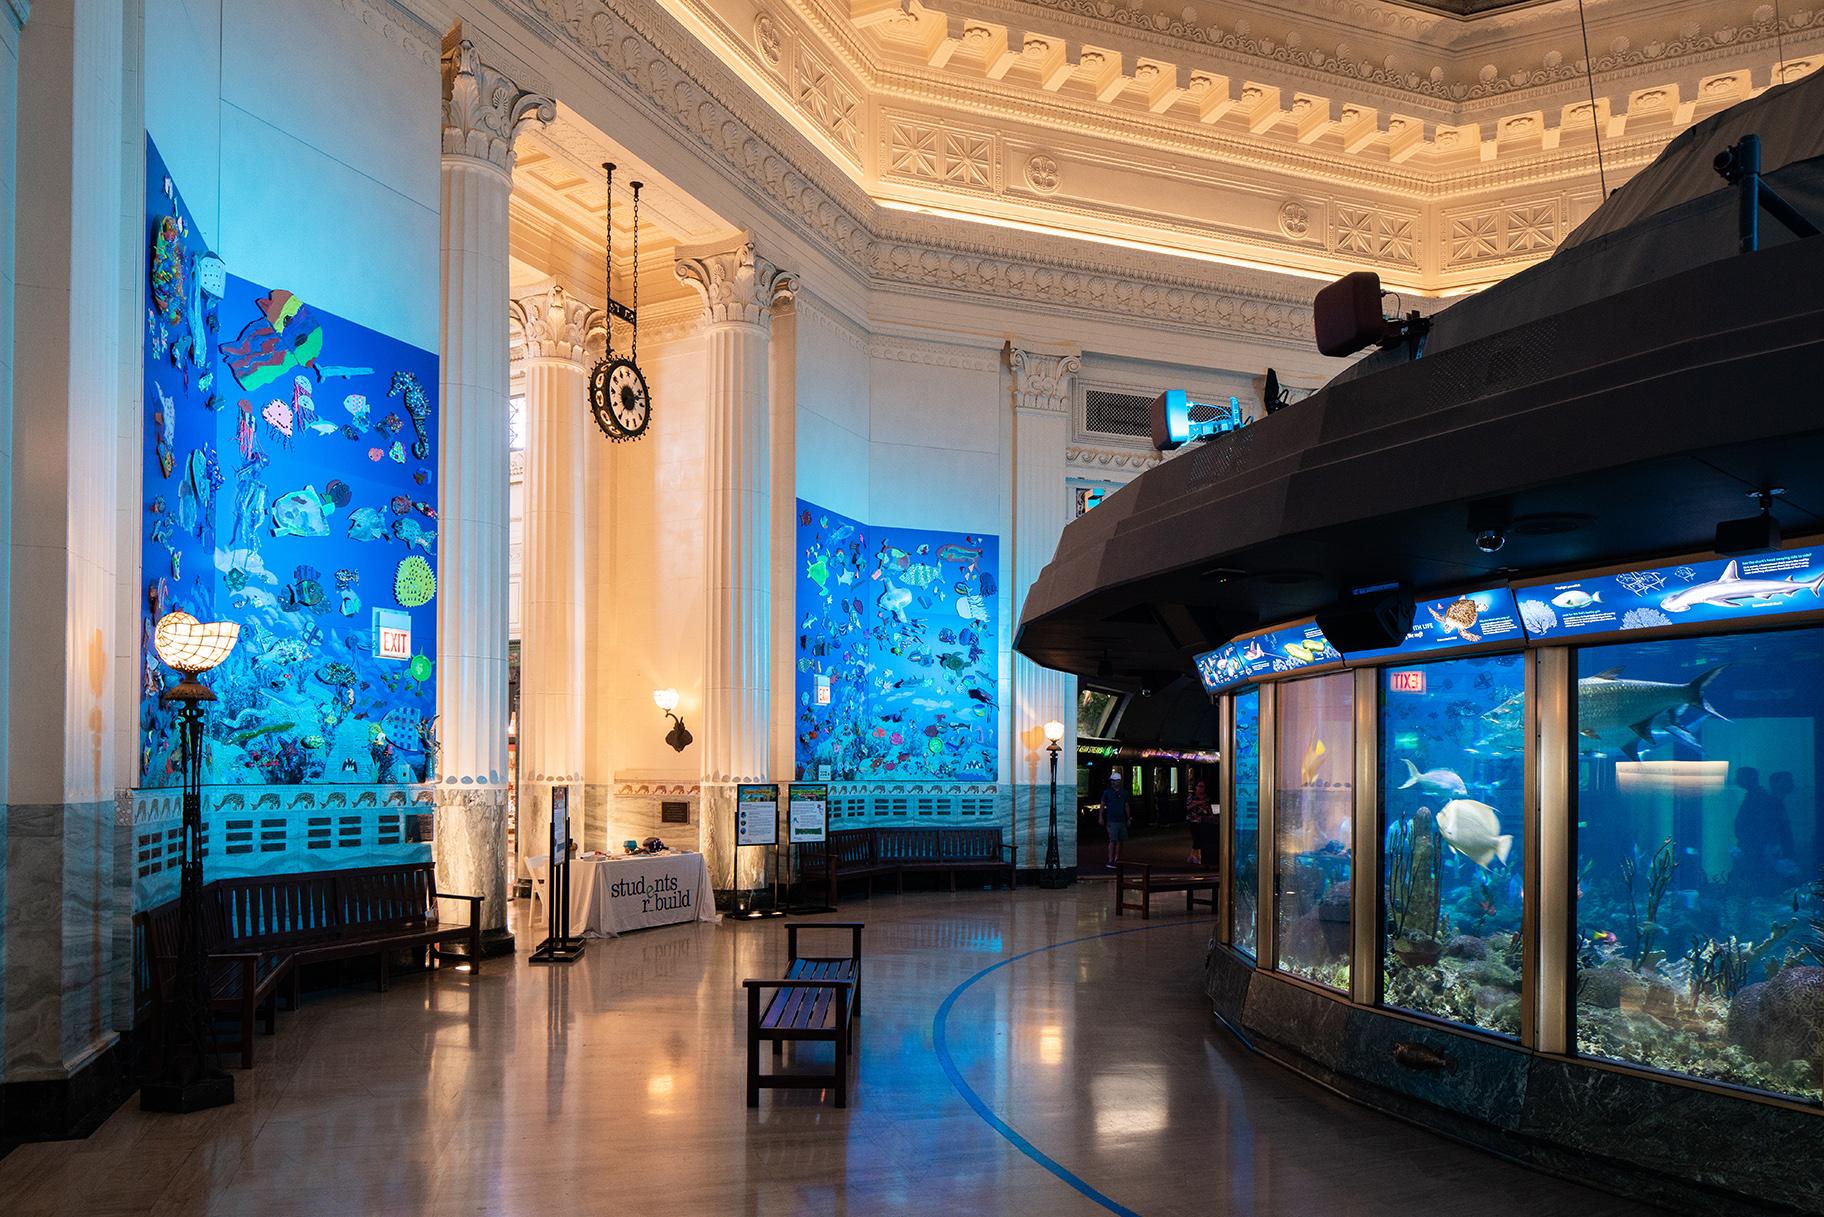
(679, 736)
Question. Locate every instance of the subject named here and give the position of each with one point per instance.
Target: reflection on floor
(615, 1086)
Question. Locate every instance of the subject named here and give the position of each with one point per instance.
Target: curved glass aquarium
(1452, 799)
(1700, 900)
(1244, 821)
(1313, 805)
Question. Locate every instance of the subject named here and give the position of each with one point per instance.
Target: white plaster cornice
(1041, 378)
(737, 284)
(934, 354)
(553, 324)
(484, 110)
(396, 25)
(1087, 459)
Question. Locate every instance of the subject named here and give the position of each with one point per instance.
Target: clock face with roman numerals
(619, 400)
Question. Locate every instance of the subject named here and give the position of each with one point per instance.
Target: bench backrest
(907, 844)
(275, 910)
(853, 846)
(970, 844)
(381, 896)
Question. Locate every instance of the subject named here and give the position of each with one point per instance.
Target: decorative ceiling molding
(648, 60)
(1042, 379)
(1089, 459)
(934, 354)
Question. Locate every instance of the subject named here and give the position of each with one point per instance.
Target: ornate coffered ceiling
(1445, 145)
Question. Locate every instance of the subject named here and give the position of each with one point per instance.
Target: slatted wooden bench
(1132, 877)
(259, 931)
(818, 999)
(948, 850)
(847, 853)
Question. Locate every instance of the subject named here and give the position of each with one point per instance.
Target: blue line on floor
(940, 1045)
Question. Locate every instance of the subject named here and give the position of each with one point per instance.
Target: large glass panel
(1700, 931)
(1313, 802)
(1452, 794)
(1244, 815)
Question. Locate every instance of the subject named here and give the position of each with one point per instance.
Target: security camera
(1490, 540)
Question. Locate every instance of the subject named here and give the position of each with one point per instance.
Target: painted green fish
(818, 572)
(241, 737)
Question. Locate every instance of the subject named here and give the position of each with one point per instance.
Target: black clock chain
(608, 258)
(636, 271)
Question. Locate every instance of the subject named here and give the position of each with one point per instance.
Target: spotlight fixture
(679, 736)
(1489, 521)
(1348, 318)
(1755, 533)
(1490, 540)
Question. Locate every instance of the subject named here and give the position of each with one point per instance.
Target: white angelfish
(1434, 781)
(1730, 590)
(1474, 830)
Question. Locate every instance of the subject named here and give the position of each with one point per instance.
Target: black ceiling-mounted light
(1754, 534)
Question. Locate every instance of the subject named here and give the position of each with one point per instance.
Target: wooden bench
(854, 853)
(818, 999)
(260, 930)
(1146, 883)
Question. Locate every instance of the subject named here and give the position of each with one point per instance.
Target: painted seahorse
(406, 385)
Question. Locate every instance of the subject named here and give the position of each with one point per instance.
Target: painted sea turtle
(1459, 618)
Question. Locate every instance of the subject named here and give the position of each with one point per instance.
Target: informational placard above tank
(1720, 591)
(1291, 648)
(1452, 623)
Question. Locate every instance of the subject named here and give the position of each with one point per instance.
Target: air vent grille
(1116, 413)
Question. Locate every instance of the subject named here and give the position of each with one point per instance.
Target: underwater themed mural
(896, 652)
(1452, 778)
(290, 485)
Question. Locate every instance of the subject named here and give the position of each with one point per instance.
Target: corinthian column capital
(483, 110)
(1041, 379)
(736, 283)
(553, 324)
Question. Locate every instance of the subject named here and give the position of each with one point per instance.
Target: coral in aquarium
(1718, 768)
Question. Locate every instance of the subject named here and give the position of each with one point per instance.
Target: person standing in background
(1205, 820)
(1114, 816)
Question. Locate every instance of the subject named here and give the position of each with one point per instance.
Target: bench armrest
(797, 984)
(1013, 853)
(474, 903)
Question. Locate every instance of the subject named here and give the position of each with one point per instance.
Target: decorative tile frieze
(1528, 230)
(947, 154)
(1375, 234)
(829, 102)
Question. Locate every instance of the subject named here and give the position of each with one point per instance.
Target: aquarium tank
(1452, 778)
(1699, 928)
(1244, 817)
(1313, 805)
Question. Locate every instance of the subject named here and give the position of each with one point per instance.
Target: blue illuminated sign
(1291, 648)
(1222, 668)
(1454, 622)
(1724, 590)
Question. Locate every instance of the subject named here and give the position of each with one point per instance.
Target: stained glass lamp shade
(193, 646)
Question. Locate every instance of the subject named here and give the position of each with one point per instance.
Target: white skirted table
(613, 895)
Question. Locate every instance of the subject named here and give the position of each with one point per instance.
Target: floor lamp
(1053, 874)
(186, 1079)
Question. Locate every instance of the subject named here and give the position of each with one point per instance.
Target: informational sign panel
(1719, 590)
(810, 811)
(1222, 668)
(1291, 648)
(1451, 623)
(560, 823)
(757, 813)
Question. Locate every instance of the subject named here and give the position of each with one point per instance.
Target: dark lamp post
(1053, 874)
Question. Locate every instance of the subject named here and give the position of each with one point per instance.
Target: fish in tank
(1452, 775)
(1313, 807)
(1700, 898)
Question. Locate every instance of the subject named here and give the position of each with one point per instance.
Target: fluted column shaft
(739, 289)
(483, 112)
(553, 330)
(1041, 434)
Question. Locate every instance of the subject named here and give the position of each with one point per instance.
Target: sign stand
(757, 825)
(809, 805)
(559, 946)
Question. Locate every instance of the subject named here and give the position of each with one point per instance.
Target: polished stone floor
(615, 1087)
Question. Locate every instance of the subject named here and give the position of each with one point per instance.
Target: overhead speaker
(1372, 622)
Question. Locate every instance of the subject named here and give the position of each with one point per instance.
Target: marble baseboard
(1691, 1149)
(57, 1109)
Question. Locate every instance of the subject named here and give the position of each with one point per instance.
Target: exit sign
(1408, 681)
(392, 634)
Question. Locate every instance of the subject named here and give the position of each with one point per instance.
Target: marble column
(739, 288)
(12, 19)
(552, 331)
(483, 113)
(63, 503)
(1041, 433)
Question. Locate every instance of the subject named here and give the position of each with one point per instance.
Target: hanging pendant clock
(618, 396)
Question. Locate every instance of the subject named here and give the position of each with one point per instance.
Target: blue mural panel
(896, 652)
(290, 485)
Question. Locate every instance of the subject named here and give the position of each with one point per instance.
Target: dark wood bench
(818, 999)
(260, 930)
(1139, 877)
(854, 853)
